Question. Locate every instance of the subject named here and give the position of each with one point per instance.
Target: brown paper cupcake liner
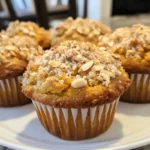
(139, 91)
(10, 93)
(76, 123)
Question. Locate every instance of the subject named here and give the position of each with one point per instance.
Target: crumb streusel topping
(27, 28)
(131, 42)
(86, 27)
(74, 64)
(79, 29)
(23, 48)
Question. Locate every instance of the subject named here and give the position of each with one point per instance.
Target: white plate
(20, 129)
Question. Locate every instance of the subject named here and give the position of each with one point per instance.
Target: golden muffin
(30, 29)
(78, 29)
(133, 46)
(14, 56)
(75, 88)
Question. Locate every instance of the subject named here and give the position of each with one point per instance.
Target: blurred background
(47, 13)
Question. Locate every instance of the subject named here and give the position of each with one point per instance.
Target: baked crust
(15, 53)
(132, 45)
(30, 29)
(98, 77)
(134, 65)
(78, 29)
(84, 97)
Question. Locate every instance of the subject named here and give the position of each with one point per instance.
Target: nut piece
(32, 33)
(83, 31)
(25, 31)
(111, 43)
(10, 47)
(54, 63)
(102, 48)
(87, 66)
(130, 53)
(78, 83)
(98, 67)
(97, 32)
(60, 31)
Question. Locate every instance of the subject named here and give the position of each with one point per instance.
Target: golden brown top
(73, 66)
(133, 45)
(78, 29)
(29, 29)
(15, 53)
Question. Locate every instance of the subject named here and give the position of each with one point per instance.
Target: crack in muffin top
(79, 29)
(74, 64)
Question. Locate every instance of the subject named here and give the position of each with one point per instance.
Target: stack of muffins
(75, 85)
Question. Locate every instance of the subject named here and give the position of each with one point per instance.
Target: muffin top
(78, 29)
(15, 53)
(30, 29)
(133, 45)
(75, 74)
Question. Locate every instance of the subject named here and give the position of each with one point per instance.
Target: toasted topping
(54, 63)
(111, 43)
(83, 31)
(79, 29)
(59, 31)
(24, 48)
(97, 67)
(102, 48)
(78, 83)
(87, 66)
(29, 29)
(129, 42)
(10, 47)
(24, 30)
(73, 64)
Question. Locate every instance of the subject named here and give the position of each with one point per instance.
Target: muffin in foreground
(133, 45)
(75, 88)
(30, 29)
(14, 56)
(78, 29)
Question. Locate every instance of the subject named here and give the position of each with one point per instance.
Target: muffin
(133, 46)
(75, 88)
(30, 29)
(78, 29)
(14, 56)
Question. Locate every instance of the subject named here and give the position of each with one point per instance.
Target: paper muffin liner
(139, 91)
(10, 92)
(76, 123)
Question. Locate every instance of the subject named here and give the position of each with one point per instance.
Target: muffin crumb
(77, 64)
